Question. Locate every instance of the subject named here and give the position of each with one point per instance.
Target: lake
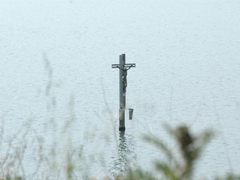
(56, 79)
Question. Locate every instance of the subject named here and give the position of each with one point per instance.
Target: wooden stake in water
(123, 68)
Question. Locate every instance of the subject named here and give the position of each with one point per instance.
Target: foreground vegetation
(176, 167)
(190, 148)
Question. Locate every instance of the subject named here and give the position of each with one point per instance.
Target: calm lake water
(55, 68)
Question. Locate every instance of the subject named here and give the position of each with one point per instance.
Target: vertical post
(123, 68)
(121, 94)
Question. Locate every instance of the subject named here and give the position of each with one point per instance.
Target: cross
(123, 68)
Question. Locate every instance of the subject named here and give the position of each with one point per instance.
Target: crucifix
(123, 68)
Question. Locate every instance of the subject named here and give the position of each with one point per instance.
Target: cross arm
(130, 65)
(126, 66)
(115, 65)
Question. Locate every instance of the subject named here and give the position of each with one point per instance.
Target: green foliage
(175, 168)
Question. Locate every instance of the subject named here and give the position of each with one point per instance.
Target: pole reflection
(125, 156)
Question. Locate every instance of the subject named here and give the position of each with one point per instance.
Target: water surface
(56, 63)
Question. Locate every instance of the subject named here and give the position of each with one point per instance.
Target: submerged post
(123, 68)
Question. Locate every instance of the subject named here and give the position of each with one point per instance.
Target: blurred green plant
(190, 148)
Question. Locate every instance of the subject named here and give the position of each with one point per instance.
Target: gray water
(56, 61)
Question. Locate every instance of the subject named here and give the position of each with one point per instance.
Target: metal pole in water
(121, 98)
(123, 68)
